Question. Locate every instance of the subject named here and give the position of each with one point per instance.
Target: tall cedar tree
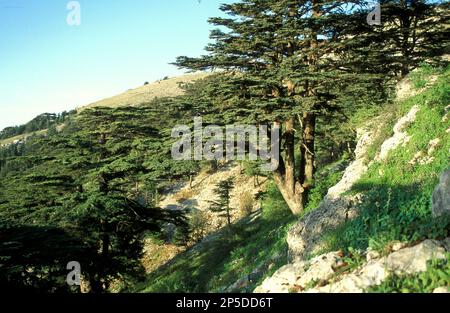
(412, 32)
(222, 204)
(285, 63)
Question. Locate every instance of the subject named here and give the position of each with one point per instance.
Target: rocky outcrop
(441, 196)
(442, 290)
(400, 136)
(336, 208)
(305, 236)
(323, 271)
(296, 276)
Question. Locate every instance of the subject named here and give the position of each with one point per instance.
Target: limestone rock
(442, 290)
(297, 276)
(423, 157)
(413, 260)
(398, 245)
(400, 136)
(282, 280)
(372, 255)
(305, 236)
(319, 268)
(441, 196)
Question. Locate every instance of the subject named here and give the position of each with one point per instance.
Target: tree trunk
(285, 177)
(228, 211)
(308, 152)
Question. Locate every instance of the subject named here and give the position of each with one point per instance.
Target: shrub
(397, 195)
(246, 203)
(184, 195)
(198, 225)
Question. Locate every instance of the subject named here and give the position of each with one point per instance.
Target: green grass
(219, 262)
(329, 176)
(420, 77)
(436, 275)
(216, 264)
(396, 206)
(397, 195)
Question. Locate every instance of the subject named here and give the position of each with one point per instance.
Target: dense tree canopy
(297, 64)
(88, 191)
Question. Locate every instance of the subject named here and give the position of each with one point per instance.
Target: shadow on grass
(223, 257)
(388, 213)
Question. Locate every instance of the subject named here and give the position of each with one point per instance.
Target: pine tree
(286, 63)
(222, 204)
(87, 179)
(412, 32)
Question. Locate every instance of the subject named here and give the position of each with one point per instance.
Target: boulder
(441, 196)
(414, 260)
(442, 290)
(282, 280)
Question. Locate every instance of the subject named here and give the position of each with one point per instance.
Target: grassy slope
(144, 94)
(219, 262)
(397, 203)
(10, 140)
(397, 206)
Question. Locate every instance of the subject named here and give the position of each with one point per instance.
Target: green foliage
(92, 188)
(220, 261)
(222, 204)
(436, 275)
(397, 194)
(326, 178)
(421, 76)
(41, 122)
(34, 258)
(276, 67)
(91, 179)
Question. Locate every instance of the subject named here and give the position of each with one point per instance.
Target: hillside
(309, 153)
(160, 89)
(368, 214)
(169, 87)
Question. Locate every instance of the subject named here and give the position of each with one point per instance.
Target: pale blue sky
(48, 66)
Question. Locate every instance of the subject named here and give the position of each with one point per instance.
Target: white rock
(413, 260)
(320, 268)
(398, 246)
(372, 255)
(282, 280)
(400, 137)
(432, 145)
(442, 290)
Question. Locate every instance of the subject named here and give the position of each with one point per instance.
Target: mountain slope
(164, 88)
(366, 238)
